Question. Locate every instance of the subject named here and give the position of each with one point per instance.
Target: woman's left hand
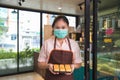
(72, 67)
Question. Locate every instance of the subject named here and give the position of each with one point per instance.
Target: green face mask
(60, 33)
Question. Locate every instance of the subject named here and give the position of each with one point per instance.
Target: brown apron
(59, 57)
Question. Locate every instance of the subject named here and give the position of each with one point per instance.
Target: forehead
(61, 22)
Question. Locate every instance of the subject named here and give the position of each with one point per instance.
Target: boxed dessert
(64, 68)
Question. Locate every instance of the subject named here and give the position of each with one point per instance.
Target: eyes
(62, 27)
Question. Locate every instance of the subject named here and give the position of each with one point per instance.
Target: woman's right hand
(50, 67)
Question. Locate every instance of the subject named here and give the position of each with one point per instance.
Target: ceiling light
(20, 3)
(23, 0)
(80, 7)
(59, 8)
(14, 11)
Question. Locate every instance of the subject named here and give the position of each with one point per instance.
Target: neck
(60, 40)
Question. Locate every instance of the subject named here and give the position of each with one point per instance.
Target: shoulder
(49, 41)
(73, 42)
(74, 45)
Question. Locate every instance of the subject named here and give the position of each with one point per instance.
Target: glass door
(8, 41)
(29, 38)
(108, 40)
(19, 39)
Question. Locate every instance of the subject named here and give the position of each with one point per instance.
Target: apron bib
(59, 57)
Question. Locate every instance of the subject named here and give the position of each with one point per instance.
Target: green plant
(27, 53)
(7, 54)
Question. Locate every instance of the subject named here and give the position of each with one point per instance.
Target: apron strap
(68, 43)
(55, 43)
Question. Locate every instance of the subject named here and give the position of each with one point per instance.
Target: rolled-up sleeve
(42, 55)
(77, 54)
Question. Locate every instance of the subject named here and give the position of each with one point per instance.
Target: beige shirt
(48, 46)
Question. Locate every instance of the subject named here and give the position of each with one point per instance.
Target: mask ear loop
(52, 31)
(68, 35)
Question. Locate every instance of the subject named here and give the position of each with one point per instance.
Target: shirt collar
(65, 41)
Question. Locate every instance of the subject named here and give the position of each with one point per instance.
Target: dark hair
(59, 18)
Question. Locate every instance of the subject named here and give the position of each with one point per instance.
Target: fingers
(51, 69)
(68, 73)
(72, 67)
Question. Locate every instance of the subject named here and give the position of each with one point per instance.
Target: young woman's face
(60, 29)
(61, 25)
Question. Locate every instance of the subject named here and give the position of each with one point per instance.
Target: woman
(59, 49)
